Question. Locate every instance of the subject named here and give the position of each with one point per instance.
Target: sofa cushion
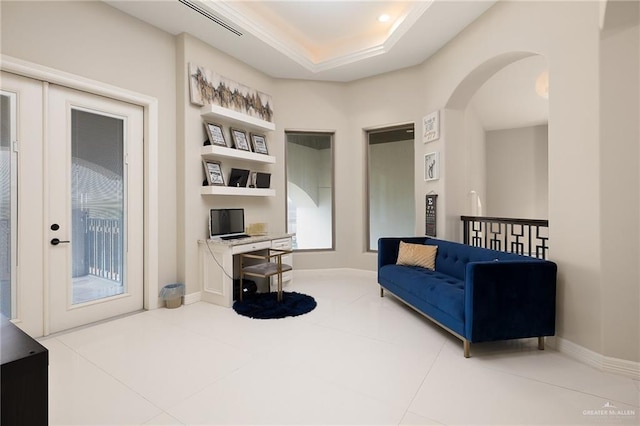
(452, 258)
(442, 291)
(417, 255)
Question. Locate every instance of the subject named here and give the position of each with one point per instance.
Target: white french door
(71, 206)
(94, 204)
(21, 209)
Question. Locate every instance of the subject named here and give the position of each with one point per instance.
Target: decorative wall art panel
(206, 87)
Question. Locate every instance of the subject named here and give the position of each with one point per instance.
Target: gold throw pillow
(417, 255)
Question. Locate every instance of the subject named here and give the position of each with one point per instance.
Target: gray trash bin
(172, 295)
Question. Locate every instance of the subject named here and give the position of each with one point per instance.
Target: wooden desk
(24, 377)
(219, 264)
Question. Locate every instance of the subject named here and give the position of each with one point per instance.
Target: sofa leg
(541, 343)
(465, 345)
(381, 292)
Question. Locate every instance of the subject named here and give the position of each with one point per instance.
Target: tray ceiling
(316, 40)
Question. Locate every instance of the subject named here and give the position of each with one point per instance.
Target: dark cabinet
(24, 377)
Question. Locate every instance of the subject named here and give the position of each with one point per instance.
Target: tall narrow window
(390, 183)
(310, 190)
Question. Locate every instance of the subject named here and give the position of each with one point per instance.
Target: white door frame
(150, 105)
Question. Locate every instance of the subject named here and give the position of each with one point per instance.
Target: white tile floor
(356, 359)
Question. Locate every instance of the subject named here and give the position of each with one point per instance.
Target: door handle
(56, 241)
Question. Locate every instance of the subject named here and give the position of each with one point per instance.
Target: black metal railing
(529, 237)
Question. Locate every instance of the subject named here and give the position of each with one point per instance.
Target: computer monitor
(226, 222)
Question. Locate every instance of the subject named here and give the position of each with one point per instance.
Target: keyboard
(234, 237)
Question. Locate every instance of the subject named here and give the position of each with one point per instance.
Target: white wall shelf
(215, 114)
(211, 152)
(230, 118)
(231, 190)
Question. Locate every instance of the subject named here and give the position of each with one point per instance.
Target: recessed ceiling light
(384, 18)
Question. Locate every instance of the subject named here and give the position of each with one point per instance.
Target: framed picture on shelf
(240, 140)
(259, 144)
(213, 170)
(215, 134)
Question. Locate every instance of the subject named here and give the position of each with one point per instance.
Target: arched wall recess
(458, 152)
(476, 78)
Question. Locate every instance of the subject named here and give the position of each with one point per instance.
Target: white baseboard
(192, 297)
(622, 367)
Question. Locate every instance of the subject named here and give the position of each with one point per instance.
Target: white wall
(517, 182)
(620, 184)
(193, 208)
(318, 106)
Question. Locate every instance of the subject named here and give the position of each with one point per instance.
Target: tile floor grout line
(415, 395)
(559, 386)
(111, 376)
(555, 385)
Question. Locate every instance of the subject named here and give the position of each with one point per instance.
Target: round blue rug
(266, 305)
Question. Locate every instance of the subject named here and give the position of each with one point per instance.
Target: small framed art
(431, 127)
(259, 144)
(215, 134)
(240, 140)
(432, 166)
(213, 170)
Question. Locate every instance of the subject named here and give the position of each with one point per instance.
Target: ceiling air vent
(210, 16)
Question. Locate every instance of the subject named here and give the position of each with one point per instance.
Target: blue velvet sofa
(477, 294)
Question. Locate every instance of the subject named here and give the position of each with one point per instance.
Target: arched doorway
(496, 159)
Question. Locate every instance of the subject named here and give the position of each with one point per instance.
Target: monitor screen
(238, 178)
(226, 222)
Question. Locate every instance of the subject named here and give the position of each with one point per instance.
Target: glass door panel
(8, 204)
(97, 205)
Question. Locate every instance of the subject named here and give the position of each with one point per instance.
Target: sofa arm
(388, 248)
(509, 300)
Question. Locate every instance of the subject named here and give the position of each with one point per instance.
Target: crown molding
(285, 45)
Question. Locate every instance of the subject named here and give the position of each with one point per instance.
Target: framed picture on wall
(432, 166)
(215, 134)
(431, 127)
(213, 170)
(259, 144)
(240, 140)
